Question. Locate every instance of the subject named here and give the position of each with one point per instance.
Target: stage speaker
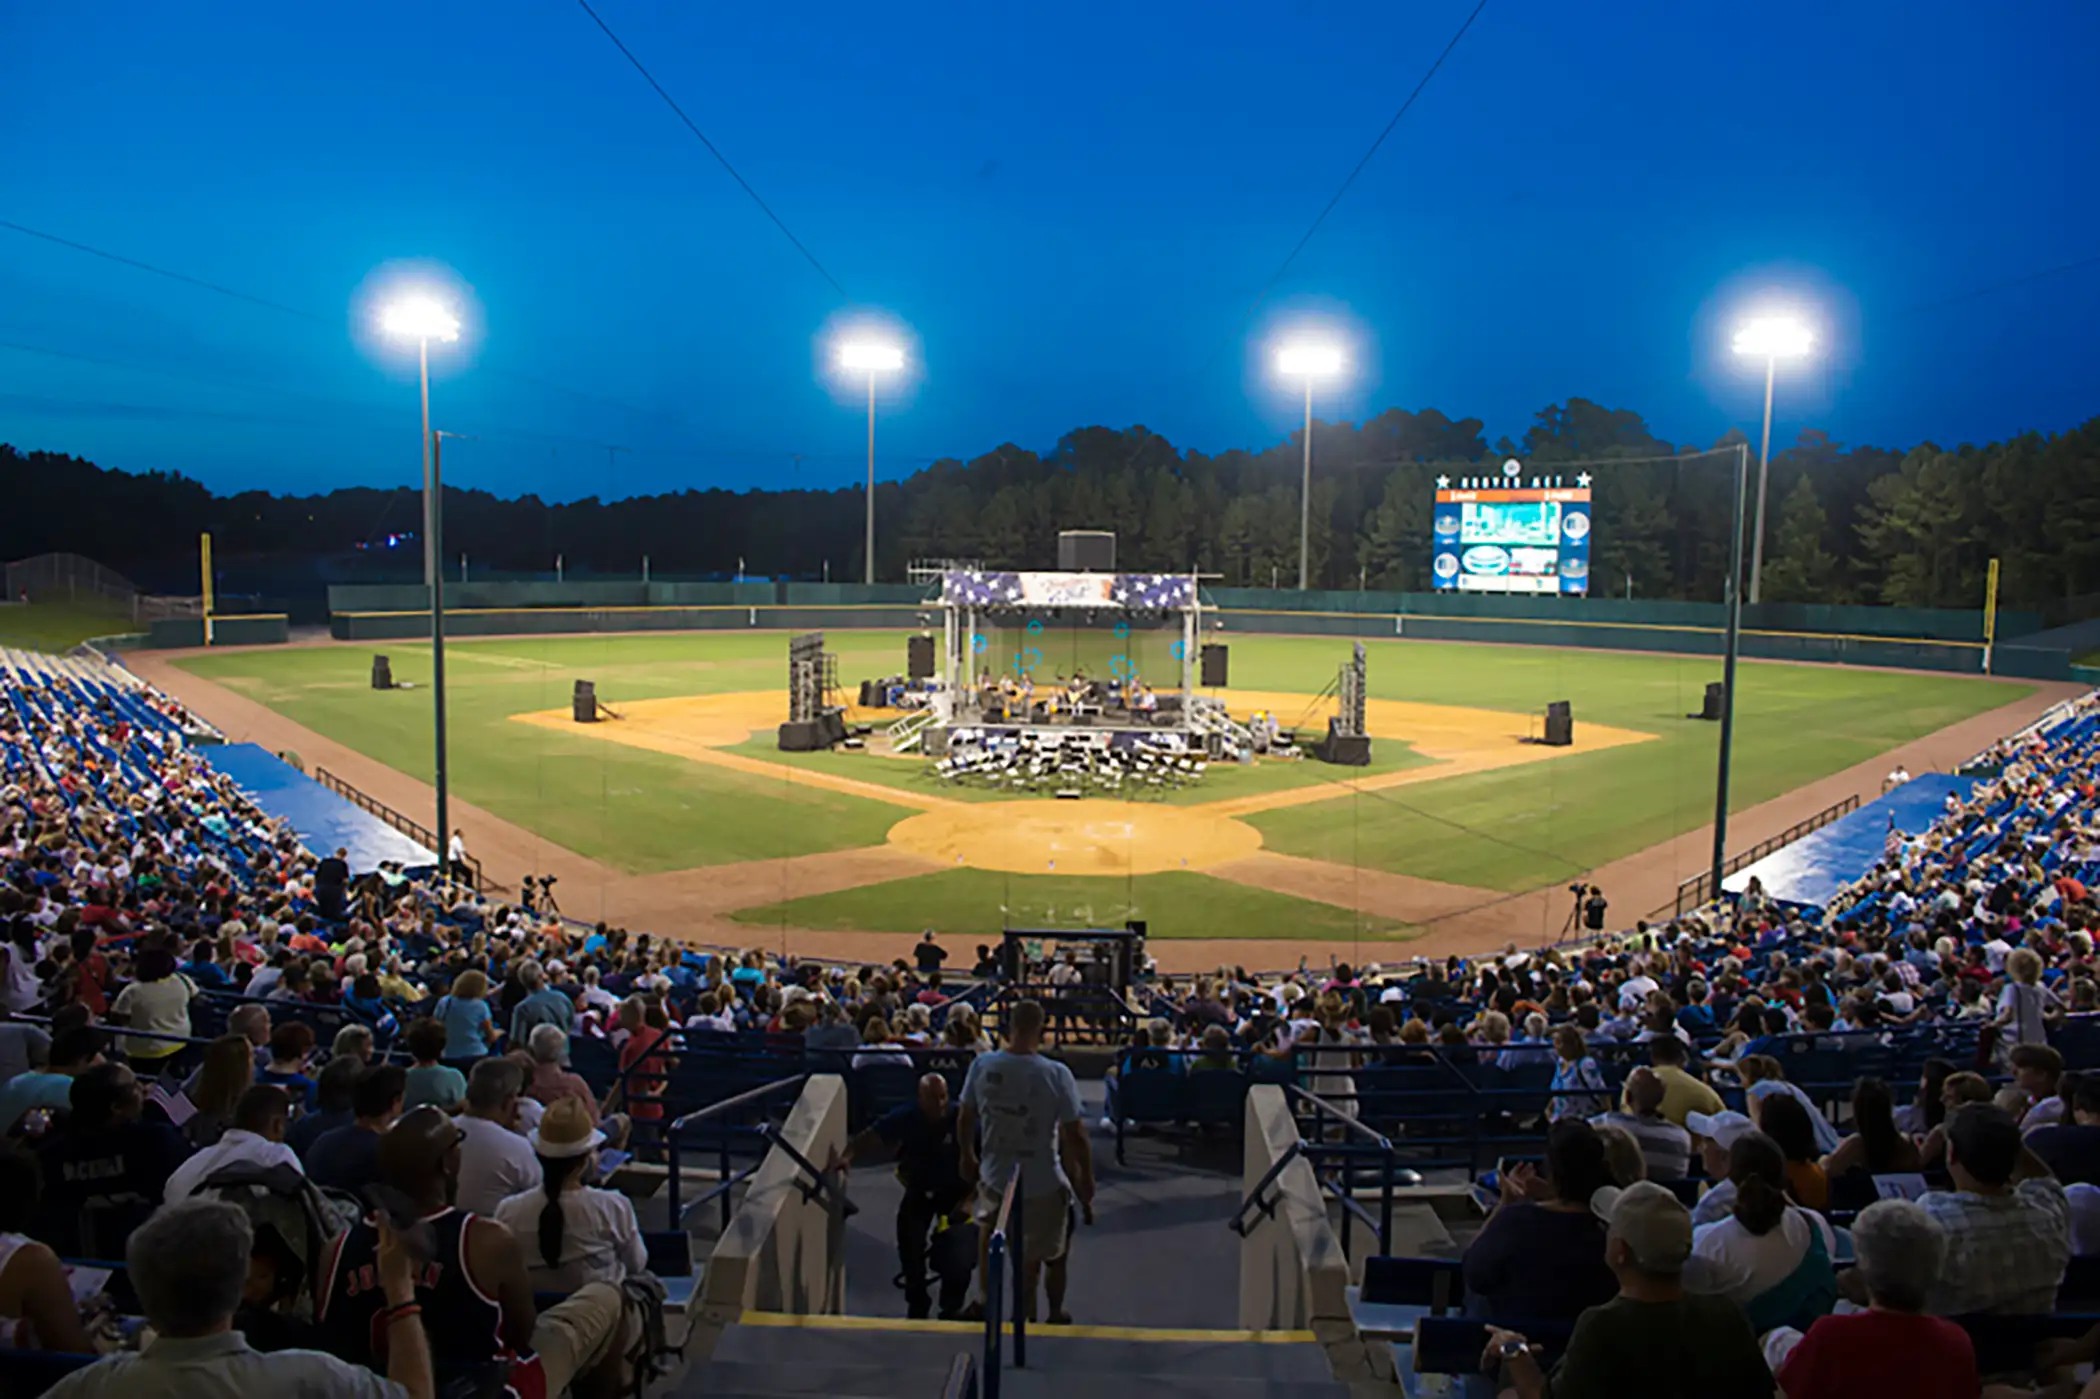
(586, 702)
(831, 724)
(868, 696)
(1560, 724)
(1344, 750)
(1086, 551)
(1215, 656)
(919, 654)
(382, 673)
(1711, 709)
(805, 736)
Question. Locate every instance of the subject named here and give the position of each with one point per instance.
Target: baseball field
(684, 800)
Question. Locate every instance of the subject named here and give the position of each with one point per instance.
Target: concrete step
(868, 1359)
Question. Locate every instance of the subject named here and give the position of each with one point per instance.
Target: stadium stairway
(770, 1356)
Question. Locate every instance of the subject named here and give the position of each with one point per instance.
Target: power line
(716, 152)
(1993, 288)
(1361, 163)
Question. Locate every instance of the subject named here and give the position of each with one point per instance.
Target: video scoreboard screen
(1512, 534)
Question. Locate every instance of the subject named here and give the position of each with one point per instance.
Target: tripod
(1574, 922)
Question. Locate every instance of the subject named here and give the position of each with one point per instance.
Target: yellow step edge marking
(976, 1328)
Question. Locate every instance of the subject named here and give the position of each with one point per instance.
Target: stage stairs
(1208, 717)
(775, 1356)
(909, 732)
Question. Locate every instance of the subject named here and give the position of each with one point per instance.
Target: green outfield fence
(249, 630)
(1913, 638)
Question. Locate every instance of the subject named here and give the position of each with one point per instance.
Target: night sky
(1071, 207)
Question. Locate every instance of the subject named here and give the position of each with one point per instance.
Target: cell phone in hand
(404, 1218)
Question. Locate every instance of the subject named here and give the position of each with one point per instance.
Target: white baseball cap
(1723, 1129)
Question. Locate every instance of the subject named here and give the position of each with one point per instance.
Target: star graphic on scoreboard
(1582, 479)
(1443, 483)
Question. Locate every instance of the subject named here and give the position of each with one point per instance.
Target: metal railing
(723, 1136)
(1006, 1248)
(1698, 890)
(415, 830)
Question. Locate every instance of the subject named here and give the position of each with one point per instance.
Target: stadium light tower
(1773, 338)
(1311, 362)
(874, 357)
(423, 319)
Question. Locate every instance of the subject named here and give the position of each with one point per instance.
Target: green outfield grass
(1514, 828)
(969, 903)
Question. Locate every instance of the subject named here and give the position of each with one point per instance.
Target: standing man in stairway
(1027, 1109)
(936, 1193)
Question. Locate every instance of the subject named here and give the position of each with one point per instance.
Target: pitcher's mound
(1083, 837)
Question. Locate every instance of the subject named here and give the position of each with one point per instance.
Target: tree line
(1844, 524)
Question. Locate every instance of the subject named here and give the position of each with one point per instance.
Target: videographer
(1593, 908)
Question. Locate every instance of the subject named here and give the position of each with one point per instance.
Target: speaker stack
(1215, 666)
(802, 736)
(1086, 551)
(1711, 709)
(382, 673)
(919, 658)
(586, 702)
(1560, 725)
(1344, 749)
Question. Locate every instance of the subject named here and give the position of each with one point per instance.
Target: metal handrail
(1254, 1200)
(962, 1378)
(408, 825)
(997, 1252)
(1327, 1109)
(1698, 883)
(671, 1131)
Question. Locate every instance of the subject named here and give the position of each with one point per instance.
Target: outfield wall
(1912, 638)
(174, 632)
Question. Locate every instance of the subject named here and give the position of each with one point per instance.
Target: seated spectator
(431, 1083)
(542, 1005)
(1783, 1119)
(23, 1047)
(877, 1046)
(1769, 1257)
(551, 1079)
(291, 1047)
(1763, 1078)
(470, 1027)
(1655, 1337)
(644, 1066)
(366, 999)
(346, 1158)
(335, 1092)
(1929, 1108)
(2007, 1222)
(37, 1310)
(204, 969)
(1574, 1071)
(1683, 1094)
(1891, 1348)
(256, 1138)
(50, 1088)
(1959, 1091)
(227, 1072)
(2071, 1150)
(495, 1160)
(157, 1002)
(476, 1300)
(189, 1266)
(1216, 1052)
(253, 1023)
(1540, 1256)
(833, 1031)
(1875, 1147)
(353, 1042)
(2037, 1070)
(572, 1233)
(1666, 1149)
(104, 1166)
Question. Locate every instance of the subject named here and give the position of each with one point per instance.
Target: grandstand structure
(1328, 1150)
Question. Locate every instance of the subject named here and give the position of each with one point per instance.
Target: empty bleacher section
(1808, 873)
(324, 820)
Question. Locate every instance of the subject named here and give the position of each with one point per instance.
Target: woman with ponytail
(1770, 1256)
(572, 1233)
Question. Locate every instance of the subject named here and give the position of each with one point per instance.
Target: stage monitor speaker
(1716, 692)
(382, 673)
(586, 702)
(1215, 669)
(919, 654)
(806, 736)
(1086, 551)
(1560, 724)
(868, 695)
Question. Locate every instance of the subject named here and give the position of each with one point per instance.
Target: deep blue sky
(1071, 206)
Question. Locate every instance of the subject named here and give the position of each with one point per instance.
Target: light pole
(424, 319)
(1773, 338)
(1308, 362)
(1731, 648)
(875, 357)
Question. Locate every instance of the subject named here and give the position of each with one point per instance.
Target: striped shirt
(1665, 1147)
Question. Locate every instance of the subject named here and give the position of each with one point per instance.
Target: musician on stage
(1141, 698)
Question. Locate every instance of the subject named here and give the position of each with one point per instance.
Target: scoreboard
(1510, 533)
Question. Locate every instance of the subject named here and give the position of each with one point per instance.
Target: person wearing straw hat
(572, 1233)
(1654, 1338)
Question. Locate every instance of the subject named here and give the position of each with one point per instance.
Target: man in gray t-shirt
(1022, 1110)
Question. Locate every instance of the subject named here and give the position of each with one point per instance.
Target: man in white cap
(1652, 1339)
(1715, 1134)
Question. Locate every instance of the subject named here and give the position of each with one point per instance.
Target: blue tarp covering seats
(325, 822)
(1809, 872)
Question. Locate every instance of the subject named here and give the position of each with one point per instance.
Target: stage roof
(1155, 592)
